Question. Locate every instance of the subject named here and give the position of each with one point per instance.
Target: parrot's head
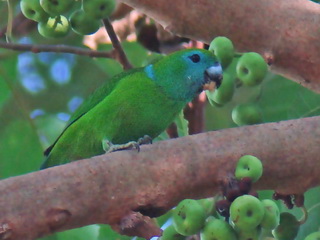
(186, 73)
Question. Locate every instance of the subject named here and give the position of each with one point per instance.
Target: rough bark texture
(115, 188)
(285, 32)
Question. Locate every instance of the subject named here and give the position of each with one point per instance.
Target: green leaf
(182, 125)
(84, 233)
(20, 150)
(106, 232)
(8, 72)
(283, 99)
(135, 53)
(4, 91)
(163, 136)
(49, 127)
(311, 202)
(110, 66)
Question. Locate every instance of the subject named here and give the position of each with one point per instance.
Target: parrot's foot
(109, 147)
(145, 140)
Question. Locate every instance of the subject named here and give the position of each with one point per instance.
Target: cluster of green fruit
(246, 217)
(52, 22)
(247, 69)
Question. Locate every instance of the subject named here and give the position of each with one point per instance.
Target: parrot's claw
(110, 147)
(145, 140)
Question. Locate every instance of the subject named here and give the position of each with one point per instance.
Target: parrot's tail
(45, 164)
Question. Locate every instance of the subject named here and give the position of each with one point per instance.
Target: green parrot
(135, 106)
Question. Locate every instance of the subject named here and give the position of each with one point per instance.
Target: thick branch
(286, 32)
(56, 49)
(114, 188)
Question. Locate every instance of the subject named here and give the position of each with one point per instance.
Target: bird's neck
(169, 81)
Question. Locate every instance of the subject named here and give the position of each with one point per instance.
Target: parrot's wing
(92, 101)
(98, 95)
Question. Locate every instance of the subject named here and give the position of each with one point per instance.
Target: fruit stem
(10, 21)
(313, 207)
(237, 54)
(116, 44)
(305, 215)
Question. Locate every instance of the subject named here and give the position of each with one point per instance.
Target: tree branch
(194, 113)
(118, 188)
(285, 32)
(56, 49)
(116, 44)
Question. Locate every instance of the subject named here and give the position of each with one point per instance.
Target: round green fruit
(288, 228)
(246, 212)
(225, 92)
(188, 217)
(170, 233)
(251, 234)
(246, 114)
(217, 229)
(54, 27)
(251, 69)
(271, 216)
(208, 205)
(32, 9)
(56, 7)
(223, 48)
(99, 8)
(313, 236)
(249, 166)
(83, 24)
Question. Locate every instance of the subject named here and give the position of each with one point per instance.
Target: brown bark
(285, 32)
(115, 188)
(120, 54)
(194, 113)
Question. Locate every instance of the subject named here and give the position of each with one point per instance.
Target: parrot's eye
(195, 58)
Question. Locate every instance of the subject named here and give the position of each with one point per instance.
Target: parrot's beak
(213, 77)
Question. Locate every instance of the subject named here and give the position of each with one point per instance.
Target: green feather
(99, 94)
(135, 103)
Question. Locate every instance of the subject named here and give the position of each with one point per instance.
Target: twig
(10, 21)
(56, 49)
(116, 187)
(116, 44)
(172, 130)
